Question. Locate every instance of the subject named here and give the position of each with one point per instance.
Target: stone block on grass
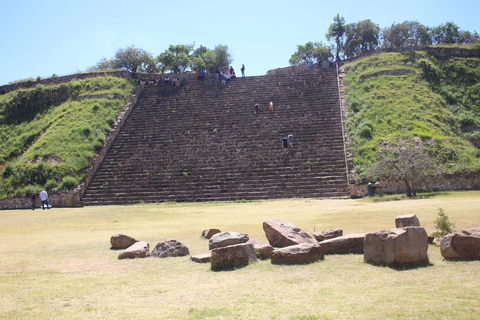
(281, 233)
(170, 248)
(407, 220)
(234, 256)
(298, 254)
(139, 249)
(400, 247)
(224, 239)
(121, 241)
(460, 246)
(352, 243)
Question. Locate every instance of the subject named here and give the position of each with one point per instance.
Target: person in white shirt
(44, 198)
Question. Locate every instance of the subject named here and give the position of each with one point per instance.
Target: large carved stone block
(121, 241)
(231, 257)
(407, 220)
(298, 254)
(139, 249)
(281, 233)
(224, 239)
(352, 243)
(397, 247)
(461, 246)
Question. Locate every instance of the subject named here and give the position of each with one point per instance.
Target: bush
(51, 184)
(443, 225)
(7, 171)
(97, 146)
(365, 130)
(68, 183)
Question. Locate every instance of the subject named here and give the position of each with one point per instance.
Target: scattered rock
(208, 233)
(407, 220)
(139, 249)
(170, 248)
(352, 243)
(330, 234)
(460, 246)
(471, 230)
(281, 233)
(224, 239)
(234, 256)
(121, 241)
(202, 258)
(298, 254)
(263, 251)
(397, 247)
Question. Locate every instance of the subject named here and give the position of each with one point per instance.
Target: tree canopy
(350, 40)
(177, 58)
(361, 37)
(336, 33)
(309, 53)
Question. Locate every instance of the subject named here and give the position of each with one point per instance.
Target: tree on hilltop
(175, 59)
(361, 37)
(134, 60)
(336, 32)
(309, 53)
(406, 34)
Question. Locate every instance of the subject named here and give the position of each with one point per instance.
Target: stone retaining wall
(448, 182)
(55, 200)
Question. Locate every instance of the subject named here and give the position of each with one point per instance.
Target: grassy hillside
(50, 134)
(430, 99)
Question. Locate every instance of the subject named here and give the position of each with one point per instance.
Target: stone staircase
(202, 142)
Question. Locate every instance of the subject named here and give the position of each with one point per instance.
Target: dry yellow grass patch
(57, 264)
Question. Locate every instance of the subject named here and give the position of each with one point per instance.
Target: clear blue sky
(40, 38)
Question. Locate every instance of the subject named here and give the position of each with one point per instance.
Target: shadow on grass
(400, 197)
(404, 266)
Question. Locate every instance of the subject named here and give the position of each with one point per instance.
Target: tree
(406, 34)
(336, 33)
(309, 53)
(175, 59)
(446, 33)
(134, 60)
(223, 58)
(468, 37)
(361, 37)
(103, 65)
(407, 162)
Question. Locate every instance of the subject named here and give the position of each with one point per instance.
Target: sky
(42, 38)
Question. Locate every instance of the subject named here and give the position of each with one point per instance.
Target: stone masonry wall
(447, 182)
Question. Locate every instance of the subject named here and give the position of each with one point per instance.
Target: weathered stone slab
(208, 233)
(263, 251)
(460, 246)
(170, 248)
(281, 233)
(234, 256)
(121, 241)
(298, 254)
(397, 247)
(139, 249)
(202, 258)
(407, 220)
(471, 230)
(352, 243)
(330, 234)
(224, 239)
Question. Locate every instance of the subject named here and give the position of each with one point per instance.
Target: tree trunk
(409, 189)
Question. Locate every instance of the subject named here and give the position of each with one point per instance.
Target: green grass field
(57, 264)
